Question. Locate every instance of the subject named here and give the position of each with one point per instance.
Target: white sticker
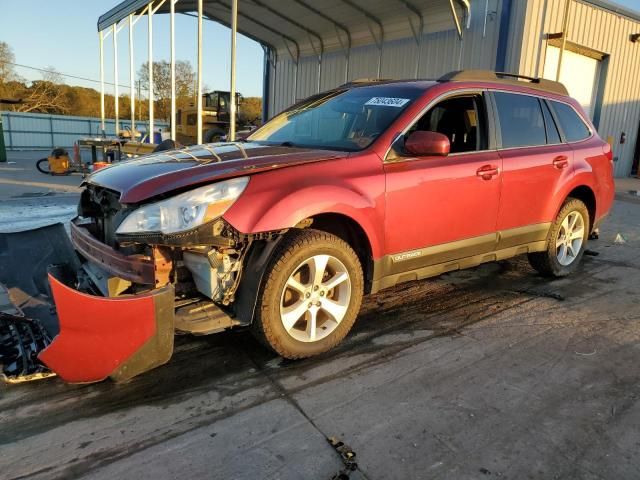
(387, 101)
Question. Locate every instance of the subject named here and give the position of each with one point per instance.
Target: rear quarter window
(571, 123)
(521, 121)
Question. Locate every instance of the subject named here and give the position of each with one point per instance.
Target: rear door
(536, 163)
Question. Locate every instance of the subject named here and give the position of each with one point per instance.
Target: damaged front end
(93, 304)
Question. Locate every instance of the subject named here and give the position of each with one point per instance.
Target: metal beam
(257, 22)
(199, 77)
(234, 103)
(115, 79)
(132, 78)
(150, 62)
(290, 20)
(369, 16)
(101, 35)
(416, 34)
(338, 26)
(172, 46)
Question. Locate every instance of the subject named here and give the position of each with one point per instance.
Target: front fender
(267, 207)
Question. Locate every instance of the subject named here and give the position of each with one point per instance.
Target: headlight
(185, 211)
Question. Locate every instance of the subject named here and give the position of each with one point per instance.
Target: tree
(7, 58)
(251, 110)
(46, 95)
(185, 85)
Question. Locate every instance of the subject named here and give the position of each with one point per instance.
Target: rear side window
(572, 125)
(553, 137)
(521, 121)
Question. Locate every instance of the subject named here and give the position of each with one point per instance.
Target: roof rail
(365, 81)
(506, 78)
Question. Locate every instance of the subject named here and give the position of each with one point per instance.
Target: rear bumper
(109, 337)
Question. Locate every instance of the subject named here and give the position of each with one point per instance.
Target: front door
(444, 208)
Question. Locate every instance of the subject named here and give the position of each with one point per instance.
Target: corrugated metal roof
(302, 27)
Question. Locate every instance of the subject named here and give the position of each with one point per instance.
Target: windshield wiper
(287, 144)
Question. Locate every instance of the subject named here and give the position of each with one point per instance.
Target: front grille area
(102, 206)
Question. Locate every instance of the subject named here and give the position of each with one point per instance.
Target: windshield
(339, 120)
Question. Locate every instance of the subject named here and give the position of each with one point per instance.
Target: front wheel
(566, 242)
(311, 295)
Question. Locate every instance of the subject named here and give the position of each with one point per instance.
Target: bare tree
(46, 95)
(185, 81)
(7, 59)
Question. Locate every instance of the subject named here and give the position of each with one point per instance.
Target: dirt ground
(493, 372)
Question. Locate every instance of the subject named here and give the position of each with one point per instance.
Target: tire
(40, 166)
(551, 263)
(294, 258)
(213, 135)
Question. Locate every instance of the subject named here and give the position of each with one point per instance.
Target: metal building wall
(598, 29)
(439, 53)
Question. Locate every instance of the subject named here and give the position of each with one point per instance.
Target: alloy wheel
(570, 238)
(315, 298)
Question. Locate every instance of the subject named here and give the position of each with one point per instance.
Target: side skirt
(433, 261)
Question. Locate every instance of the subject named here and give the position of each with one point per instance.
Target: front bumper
(94, 337)
(109, 337)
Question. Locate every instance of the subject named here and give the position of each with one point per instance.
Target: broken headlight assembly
(186, 211)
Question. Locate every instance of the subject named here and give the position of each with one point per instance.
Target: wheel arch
(586, 195)
(349, 230)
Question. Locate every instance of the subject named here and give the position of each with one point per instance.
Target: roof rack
(507, 78)
(367, 81)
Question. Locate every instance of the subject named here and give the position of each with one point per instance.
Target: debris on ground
(21, 339)
(541, 294)
(348, 457)
(620, 240)
(591, 253)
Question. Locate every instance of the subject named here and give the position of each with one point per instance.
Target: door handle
(487, 172)
(561, 161)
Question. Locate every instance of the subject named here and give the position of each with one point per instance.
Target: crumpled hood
(146, 177)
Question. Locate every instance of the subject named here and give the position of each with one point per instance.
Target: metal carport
(302, 39)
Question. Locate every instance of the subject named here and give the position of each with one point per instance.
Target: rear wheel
(566, 242)
(311, 295)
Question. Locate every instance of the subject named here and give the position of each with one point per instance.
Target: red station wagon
(345, 193)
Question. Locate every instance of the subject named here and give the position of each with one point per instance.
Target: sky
(63, 34)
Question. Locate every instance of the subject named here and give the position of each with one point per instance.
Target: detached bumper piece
(109, 337)
(21, 340)
(60, 330)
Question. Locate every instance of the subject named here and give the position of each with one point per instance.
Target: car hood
(146, 177)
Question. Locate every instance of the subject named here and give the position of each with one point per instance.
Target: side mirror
(421, 143)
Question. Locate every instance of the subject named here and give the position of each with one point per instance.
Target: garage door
(580, 74)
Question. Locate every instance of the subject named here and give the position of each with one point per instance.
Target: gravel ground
(490, 372)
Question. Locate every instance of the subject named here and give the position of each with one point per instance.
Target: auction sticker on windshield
(387, 101)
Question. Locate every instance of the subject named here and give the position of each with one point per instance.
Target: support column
(232, 109)
(101, 81)
(172, 14)
(132, 85)
(199, 77)
(150, 40)
(115, 78)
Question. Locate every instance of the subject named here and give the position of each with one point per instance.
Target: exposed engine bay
(203, 265)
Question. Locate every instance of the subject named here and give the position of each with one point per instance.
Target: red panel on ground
(97, 334)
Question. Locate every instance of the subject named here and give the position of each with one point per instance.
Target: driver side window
(461, 119)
